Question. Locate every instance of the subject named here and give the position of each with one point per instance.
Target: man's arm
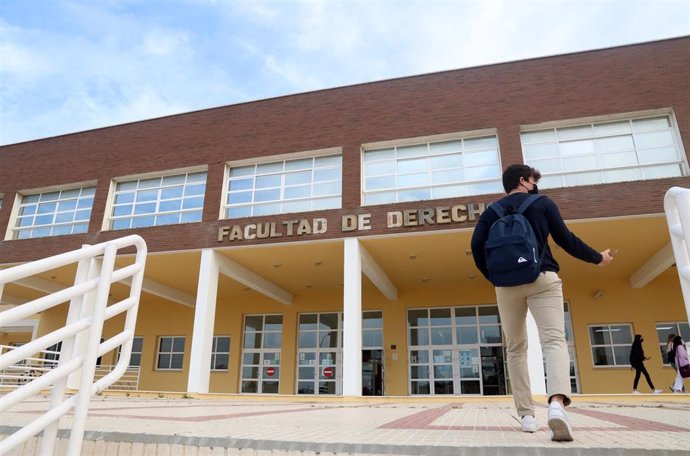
(568, 241)
(479, 236)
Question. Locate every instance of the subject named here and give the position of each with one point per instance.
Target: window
(663, 330)
(137, 347)
(220, 353)
(629, 149)
(280, 187)
(156, 201)
(372, 330)
(431, 170)
(611, 344)
(170, 353)
(51, 355)
(263, 341)
(54, 213)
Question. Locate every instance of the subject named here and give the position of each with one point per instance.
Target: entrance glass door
(372, 353)
(456, 351)
(470, 381)
(262, 342)
(372, 372)
(319, 360)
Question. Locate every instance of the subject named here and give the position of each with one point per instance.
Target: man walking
(543, 297)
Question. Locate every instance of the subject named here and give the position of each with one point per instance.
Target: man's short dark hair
(513, 173)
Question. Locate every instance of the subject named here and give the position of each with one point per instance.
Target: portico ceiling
(409, 260)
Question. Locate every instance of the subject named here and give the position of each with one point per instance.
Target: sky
(75, 65)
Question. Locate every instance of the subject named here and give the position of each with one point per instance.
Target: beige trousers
(544, 299)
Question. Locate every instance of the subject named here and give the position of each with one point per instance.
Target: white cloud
(80, 65)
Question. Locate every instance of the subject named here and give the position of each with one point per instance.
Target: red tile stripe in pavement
(424, 420)
(626, 423)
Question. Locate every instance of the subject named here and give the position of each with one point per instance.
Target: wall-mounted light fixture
(598, 294)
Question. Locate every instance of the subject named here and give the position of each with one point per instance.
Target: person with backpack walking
(637, 359)
(671, 353)
(510, 248)
(682, 364)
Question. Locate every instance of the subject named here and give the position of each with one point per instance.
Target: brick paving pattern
(255, 426)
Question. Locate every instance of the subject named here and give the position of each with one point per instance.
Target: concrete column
(352, 319)
(204, 319)
(535, 358)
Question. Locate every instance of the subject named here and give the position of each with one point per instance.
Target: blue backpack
(511, 250)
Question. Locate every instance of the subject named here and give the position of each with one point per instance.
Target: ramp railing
(80, 337)
(677, 208)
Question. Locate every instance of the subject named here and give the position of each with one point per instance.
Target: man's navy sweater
(546, 220)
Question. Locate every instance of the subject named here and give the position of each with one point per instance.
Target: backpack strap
(498, 209)
(523, 207)
(528, 202)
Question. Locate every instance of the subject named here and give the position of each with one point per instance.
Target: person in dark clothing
(543, 298)
(637, 359)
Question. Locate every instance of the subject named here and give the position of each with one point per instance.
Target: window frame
(225, 189)
(662, 344)
(119, 350)
(171, 352)
(604, 119)
(215, 353)
(428, 140)
(110, 203)
(592, 346)
(20, 194)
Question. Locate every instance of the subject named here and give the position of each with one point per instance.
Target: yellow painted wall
(659, 301)
(14, 338)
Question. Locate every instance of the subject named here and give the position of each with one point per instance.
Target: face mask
(534, 190)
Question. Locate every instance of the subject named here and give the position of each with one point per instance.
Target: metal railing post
(66, 354)
(677, 209)
(73, 355)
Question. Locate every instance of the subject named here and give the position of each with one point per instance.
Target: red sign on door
(328, 372)
(270, 371)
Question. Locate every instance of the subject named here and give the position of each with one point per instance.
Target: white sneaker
(529, 424)
(558, 423)
(658, 391)
(636, 392)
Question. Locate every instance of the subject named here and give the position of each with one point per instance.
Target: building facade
(319, 243)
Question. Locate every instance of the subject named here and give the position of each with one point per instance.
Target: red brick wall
(504, 96)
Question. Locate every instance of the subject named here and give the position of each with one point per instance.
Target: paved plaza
(291, 426)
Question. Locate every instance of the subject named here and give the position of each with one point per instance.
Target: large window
(676, 328)
(170, 353)
(279, 187)
(431, 170)
(629, 149)
(611, 344)
(54, 213)
(155, 201)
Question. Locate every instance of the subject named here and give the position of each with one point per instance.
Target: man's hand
(606, 257)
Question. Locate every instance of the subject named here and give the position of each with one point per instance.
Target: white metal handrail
(80, 337)
(677, 208)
